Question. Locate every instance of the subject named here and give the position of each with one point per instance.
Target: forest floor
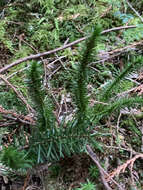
(31, 28)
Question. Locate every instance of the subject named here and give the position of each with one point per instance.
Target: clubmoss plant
(49, 141)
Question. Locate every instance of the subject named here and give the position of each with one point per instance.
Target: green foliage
(47, 24)
(119, 104)
(2, 2)
(2, 28)
(49, 142)
(15, 159)
(134, 34)
(123, 17)
(87, 186)
(130, 125)
(3, 36)
(94, 172)
(55, 170)
(81, 89)
(116, 81)
(46, 5)
(108, 94)
(9, 100)
(124, 86)
(45, 114)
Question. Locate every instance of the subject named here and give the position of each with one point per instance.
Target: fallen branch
(36, 56)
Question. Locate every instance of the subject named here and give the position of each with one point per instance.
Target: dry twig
(59, 49)
(29, 108)
(119, 169)
(21, 118)
(116, 52)
(103, 173)
(134, 10)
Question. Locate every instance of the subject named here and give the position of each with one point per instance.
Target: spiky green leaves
(15, 159)
(52, 142)
(113, 103)
(136, 63)
(35, 87)
(41, 103)
(81, 84)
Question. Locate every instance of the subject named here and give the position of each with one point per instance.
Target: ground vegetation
(71, 94)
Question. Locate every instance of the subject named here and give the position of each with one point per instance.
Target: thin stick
(134, 10)
(117, 127)
(36, 56)
(101, 170)
(44, 62)
(17, 117)
(29, 108)
(15, 73)
(118, 28)
(126, 92)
